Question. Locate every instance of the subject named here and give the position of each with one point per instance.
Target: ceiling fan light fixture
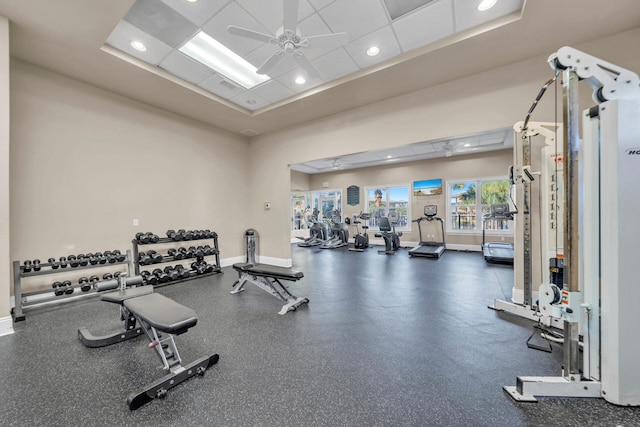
(486, 5)
(373, 51)
(213, 54)
(138, 45)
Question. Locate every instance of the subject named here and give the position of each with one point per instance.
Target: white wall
(5, 258)
(87, 162)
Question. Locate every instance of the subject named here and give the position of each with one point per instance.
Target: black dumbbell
(142, 238)
(161, 275)
(73, 261)
(198, 267)
(110, 256)
(36, 265)
(183, 272)
(107, 276)
(68, 287)
(58, 288)
(173, 235)
(100, 257)
(53, 263)
(85, 286)
(63, 262)
(118, 255)
(143, 258)
(93, 280)
(83, 260)
(175, 254)
(27, 266)
(149, 278)
(172, 273)
(93, 260)
(155, 256)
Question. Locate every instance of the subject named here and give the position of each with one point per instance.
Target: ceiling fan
(289, 40)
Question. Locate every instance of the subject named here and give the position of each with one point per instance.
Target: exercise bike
(360, 241)
(388, 232)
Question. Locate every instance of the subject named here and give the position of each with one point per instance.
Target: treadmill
(429, 249)
(497, 252)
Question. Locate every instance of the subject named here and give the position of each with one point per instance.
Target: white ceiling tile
(222, 87)
(335, 64)
(319, 4)
(382, 38)
(355, 17)
(197, 12)
(288, 79)
(160, 21)
(125, 33)
(314, 26)
(186, 68)
(233, 14)
(271, 13)
(250, 101)
(468, 16)
(273, 91)
(425, 26)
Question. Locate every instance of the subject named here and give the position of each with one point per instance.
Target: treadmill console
(430, 210)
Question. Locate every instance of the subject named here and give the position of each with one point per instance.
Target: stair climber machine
(429, 249)
(339, 233)
(361, 241)
(497, 252)
(597, 299)
(387, 230)
(318, 232)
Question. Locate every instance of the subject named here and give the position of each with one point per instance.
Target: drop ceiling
(68, 37)
(395, 27)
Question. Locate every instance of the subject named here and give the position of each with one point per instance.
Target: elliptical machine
(361, 241)
(339, 233)
(318, 232)
(389, 234)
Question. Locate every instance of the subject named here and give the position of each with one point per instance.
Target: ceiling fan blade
(270, 62)
(306, 65)
(290, 15)
(243, 32)
(328, 41)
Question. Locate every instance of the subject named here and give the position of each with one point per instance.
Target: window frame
(478, 207)
(406, 227)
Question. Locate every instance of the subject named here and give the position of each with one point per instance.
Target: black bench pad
(162, 313)
(119, 297)
(267, 270)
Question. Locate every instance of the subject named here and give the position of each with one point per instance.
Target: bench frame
(165, 347)
(270, 283)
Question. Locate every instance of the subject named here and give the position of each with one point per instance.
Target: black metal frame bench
(155, 314)
(268, 278)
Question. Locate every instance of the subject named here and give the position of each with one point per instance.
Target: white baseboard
(467, 248)
(6, 326)
(226, 262)
(280, 262)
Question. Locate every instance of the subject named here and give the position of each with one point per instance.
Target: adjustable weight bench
(155, 314)
(268, 278)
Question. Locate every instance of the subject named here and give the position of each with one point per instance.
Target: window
(303, 204)
(467, 206)
(380, 201)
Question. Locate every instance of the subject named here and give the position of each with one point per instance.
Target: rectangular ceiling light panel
(210, 52)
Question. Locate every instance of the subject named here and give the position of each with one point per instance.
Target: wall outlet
(136, 222)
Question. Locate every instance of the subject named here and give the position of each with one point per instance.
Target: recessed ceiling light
(486, 5)
(388, 157)
(139, 46)
(373, 51)
(210, 52)
(192, 1)
(467, 145)
(300, 80)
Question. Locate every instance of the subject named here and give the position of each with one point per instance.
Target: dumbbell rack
(170, 259)
(25, 300)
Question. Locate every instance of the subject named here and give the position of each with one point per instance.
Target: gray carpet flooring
(384, 341)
